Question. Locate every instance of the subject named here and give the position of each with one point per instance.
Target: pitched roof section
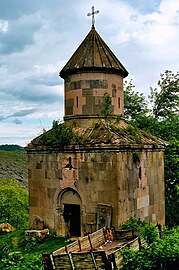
(93, 55)
(101, 134)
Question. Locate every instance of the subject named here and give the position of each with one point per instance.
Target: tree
(166, 100)
(172, 183)
(135, 104)
(161, 120)
(165, 109)
(13, 203)
(106, 111)
(160, 254)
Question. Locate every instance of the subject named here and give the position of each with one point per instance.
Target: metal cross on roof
(92, 14)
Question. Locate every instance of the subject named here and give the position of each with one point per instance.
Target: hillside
(11, 147)
(13, 164)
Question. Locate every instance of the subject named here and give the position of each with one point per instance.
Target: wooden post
(105, 239)
(114, 262)
(90, 241)
(94, 261)
(71, 261)
(46, 261)
(140, 244)
(79, 244)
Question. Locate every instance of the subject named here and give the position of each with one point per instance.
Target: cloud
(12, 133)
(38, 37)
(19, 33)
(2, 117)
(46, 77)
(3, 26)
(17, 121)
(17, 8)
(20, 113)
(144, 7)
(145, 42)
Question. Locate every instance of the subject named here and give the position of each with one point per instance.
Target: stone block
(90, 101)
(75, 85)
(87, 92)
(142, 202)
(97, 109)
(51, 192)
(30, 173)
(33, 201)
(38, 166)
(91, 218)
(87, 110)
(69, 102)
(100, 196)
(69, 110)
(145, 211)
(98, 101)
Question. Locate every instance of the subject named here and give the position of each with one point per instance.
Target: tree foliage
(160, 119)
(13, 203)
(161, 254)
(106, 111)
(148, 231)
(11, 147)
(135, 103)
(166, 100)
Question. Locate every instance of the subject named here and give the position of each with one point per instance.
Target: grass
(13, 164)
(19, 252)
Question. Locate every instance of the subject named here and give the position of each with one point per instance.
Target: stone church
(111, 171)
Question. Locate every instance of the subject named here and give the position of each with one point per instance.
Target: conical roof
(93, 55)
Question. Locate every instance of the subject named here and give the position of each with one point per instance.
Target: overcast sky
(37, 37)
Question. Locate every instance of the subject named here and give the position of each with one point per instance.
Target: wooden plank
(85, 244)
(59, 251)
(83, 261)
(62, 262)
(134, 244)
(97, 238)
(73, 247)
(102, 261)
(118, 258)
(126, 234)
(93, 260)
(83, 254)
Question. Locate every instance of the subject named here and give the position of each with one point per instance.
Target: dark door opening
(72, 218)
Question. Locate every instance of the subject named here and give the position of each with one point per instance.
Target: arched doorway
(70, 202)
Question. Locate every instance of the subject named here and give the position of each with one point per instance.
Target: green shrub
(148, 231)
(60, 135)
(161, 254)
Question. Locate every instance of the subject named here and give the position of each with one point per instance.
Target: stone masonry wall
(132, 183)
(84, 93)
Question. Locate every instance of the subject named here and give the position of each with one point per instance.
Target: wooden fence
(87, 252)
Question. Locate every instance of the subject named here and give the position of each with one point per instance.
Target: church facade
(114, 172)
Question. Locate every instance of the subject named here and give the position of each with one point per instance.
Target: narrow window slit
(119, 103)
(70, 164)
